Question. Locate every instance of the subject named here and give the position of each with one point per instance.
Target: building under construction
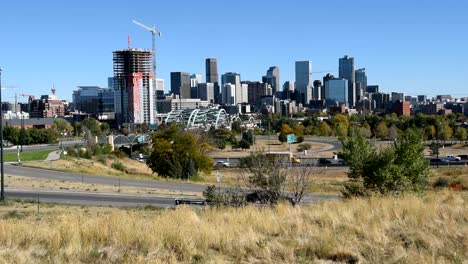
(133, 84)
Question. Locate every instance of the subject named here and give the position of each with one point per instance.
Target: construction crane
(9, 87)
(30, 96)
(153, 34)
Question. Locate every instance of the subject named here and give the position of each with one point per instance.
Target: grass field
(430, 228)
(27, 155)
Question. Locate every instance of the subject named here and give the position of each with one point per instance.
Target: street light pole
(2, 190)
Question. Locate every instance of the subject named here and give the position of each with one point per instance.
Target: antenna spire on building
(129, 41)
(53, 89)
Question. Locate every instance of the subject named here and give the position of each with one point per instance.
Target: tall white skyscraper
(304, 79)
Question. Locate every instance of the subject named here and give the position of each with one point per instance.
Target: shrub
(300, 139)
(119, 153)
(304, 146)
(400, 167)
(441, 182)
(118, 166)
(102, 159)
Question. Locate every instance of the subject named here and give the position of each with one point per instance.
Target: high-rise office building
(195, 79)
(211, 67)
(94, 100)
(346, 71)
(372, 88)
(288, 89)
(304, 80)
(133, 85)
(327, 77)
(234, 79)
(160, 83)
(317, 90)
(206, 92)
(273, 78)
(361, 83)
(422, 98)
(337, 90)
(398, 96)
(255, 91)
(228, 94)
(180, 84)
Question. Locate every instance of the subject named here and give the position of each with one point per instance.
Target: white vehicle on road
(452, 158)
(221, 163)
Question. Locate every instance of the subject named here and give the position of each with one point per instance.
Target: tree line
(386, 127)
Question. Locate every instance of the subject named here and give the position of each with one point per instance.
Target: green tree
(430, 132)
(461, 133)
(61, 125)
(446, 131)
(282, 138)
(381, 131)
(249, 137)
(341, 125)
(244, 144)
(92, 125)
(105, 128)
(178, 154)
(325, 129)
(394, 169)
(11, 134)
(365, 131)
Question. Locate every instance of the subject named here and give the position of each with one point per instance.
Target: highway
(86, 198)
(14, 170)
(66, 143)
(105, 199)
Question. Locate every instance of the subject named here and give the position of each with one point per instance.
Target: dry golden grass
(135, 169)
(458, 175)
(320, 150)
(410, 229)
(18, 182)
(322, 180)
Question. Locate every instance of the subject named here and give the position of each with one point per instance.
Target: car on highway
(452, 158)
(222, 163)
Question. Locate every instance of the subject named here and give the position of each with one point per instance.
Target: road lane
(14, 170)
(98, 199)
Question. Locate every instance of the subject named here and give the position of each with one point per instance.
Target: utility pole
(2, 172)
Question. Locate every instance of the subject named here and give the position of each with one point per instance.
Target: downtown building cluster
(133, 96)
(138, 99)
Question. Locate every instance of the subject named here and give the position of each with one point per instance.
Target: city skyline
(406, 50)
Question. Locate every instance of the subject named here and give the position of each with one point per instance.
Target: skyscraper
(337, 89)
(195, 79)
(180, 84)
(228, 95)
(317, 90)
(346, 71)
(133, 85)
(361, 82)
(206, 92)
(288, 89)
(234, 79)
(211, 67)
(327, 77)
(304, 79)
(273, 78)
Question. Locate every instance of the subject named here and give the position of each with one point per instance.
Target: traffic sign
(291, 138)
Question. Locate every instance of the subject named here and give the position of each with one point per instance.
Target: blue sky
(416, 47)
